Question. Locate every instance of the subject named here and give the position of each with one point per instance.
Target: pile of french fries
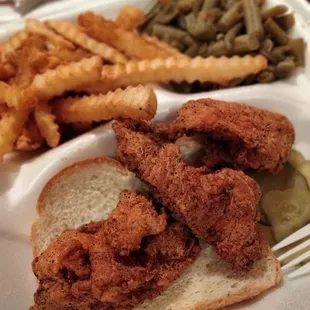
(55, 73)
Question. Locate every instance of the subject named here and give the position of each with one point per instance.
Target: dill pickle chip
(289, 177)
(296, 159)
(304, 169)
(287, 210)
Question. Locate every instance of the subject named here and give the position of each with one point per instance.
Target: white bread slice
(83, 192)
(89, 191)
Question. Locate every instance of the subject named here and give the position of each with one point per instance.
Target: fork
(297, 236)
(24, 6)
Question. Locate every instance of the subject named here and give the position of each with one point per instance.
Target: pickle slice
(296, 159)
(304, 169)
(287, 210)
(289, 177)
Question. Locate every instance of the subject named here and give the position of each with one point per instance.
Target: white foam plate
(22, 176)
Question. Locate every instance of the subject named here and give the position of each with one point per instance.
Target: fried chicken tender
(219, 207)
(247, 137)
(114, 264)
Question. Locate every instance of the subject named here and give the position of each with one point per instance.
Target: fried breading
(250, 137)
(114, 264)
(219, 207)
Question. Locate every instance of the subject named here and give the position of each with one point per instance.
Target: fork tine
(296, 249)
(301, 271)
(296, 261)
(299, 234)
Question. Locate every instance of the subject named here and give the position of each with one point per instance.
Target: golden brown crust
(56, 178)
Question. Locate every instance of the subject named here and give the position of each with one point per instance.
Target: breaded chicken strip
(248, 137)
(114, 264)
(220, 207)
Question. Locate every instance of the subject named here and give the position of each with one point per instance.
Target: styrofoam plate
(23, 176)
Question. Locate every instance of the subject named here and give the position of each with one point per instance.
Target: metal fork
(24, 6)
(297, 236)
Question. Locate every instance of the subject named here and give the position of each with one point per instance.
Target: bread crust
(56, 178)
(242, 295)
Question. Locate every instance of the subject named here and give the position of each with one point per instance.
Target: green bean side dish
(226, 28)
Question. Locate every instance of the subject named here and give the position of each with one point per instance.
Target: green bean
(177, 44)
(171, 32)
(253, 19)
(167, 14)
(150, 15)
(188, 40)
(274, 11)
(217, 49)
(276, 32)
(271, 57)
(227, 4)
(231, 17)
(192, 51)
(298, 47)
(245, 44)
(203, 50)
(220, 36)
(267, 45)
(266, 76)
(230, 36)
(213, 15)
(200, 29)
(185, 6)
(182, 21)
(280, 51)
(182, 87)
(206, 6)
(242, 44)
(285, 68)
(286, 22)
(197, 7)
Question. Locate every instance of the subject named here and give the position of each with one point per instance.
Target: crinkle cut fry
(46, 122)
(125, 41)
(16, 97)
(30, 138)
(55, 82)
(11, 126)
(35, 26)
(133, 102)
(129, 18)
(13, 44)
(75, 35)
(214, 70)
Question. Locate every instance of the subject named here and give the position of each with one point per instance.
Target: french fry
(125, 41)
(30, 138)
(134, 102)
(67, 77)
(45, 120)
(163, 45)
(16, 97)
(13, 43)
(67, 55)
(11, 126)
(211, 69)
(7, 71)
(75, 35)
(129, 18)
(35, 26)
(3, 108)
(41, 62)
